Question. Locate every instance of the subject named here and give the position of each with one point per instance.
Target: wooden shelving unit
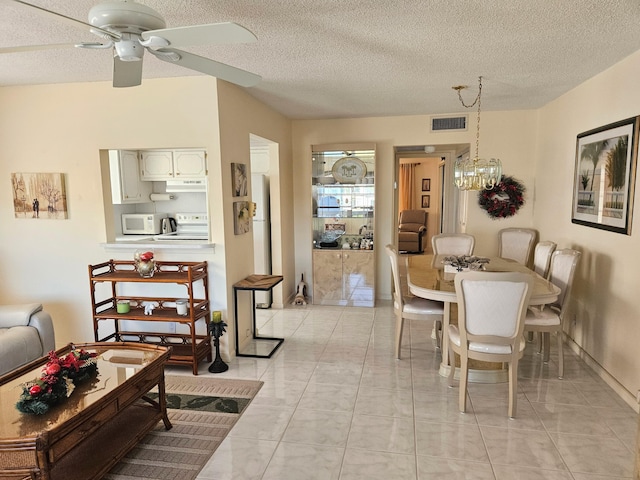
(186, 348)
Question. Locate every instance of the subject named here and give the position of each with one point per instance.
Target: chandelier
(476, 173)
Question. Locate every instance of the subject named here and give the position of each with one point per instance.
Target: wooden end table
(255, 283)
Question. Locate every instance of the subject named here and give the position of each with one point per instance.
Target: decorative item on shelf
(123, 306)
(145, 264)
(504, 200)
(217, 328)
(461, 263)
(476, 173)
(59, 378)
(181, 306)
(349, 169)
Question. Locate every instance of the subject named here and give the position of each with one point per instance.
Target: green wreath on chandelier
(503, 200)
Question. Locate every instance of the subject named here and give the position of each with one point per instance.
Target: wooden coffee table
(92, 429)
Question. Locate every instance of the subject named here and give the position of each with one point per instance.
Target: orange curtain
(406, 186)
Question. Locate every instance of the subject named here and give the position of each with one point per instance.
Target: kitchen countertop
(144, 241)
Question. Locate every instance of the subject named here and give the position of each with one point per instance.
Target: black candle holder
(216, 329)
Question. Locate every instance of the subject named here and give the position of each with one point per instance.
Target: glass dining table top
(427, 278)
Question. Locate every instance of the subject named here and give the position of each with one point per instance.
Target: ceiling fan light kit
(131, 28)
(125, 16)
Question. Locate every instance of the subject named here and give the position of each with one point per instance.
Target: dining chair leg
(539, 343)
(560, 355)
(513, 388)
(399, 330)
(452, 366)
(438, 326)
(464, 376)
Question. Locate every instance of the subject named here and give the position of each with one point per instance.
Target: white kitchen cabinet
(156, 165)
(126, 185)
(172, 164)
(189, 164)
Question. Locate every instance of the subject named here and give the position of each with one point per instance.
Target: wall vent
(440, 124)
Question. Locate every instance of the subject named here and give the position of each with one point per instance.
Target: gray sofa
(26, 333)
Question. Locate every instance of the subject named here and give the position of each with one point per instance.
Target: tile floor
(336, 405)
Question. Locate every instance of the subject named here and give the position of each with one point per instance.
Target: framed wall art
(426, 184)
(241, 218)
(39, 195)
(604, 176)
(426, 201)
(239, 179)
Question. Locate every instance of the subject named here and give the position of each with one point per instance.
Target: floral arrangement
(503, 200)
(58, 380)
(466, 261)
(144, 263)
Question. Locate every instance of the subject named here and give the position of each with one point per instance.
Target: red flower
(52, 368)
(70, 361)
(146, 256)
(35, 390)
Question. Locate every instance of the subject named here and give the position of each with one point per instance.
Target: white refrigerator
(261, 233)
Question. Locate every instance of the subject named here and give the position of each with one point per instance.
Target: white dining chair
(453, 244)
(542, 257)
(409, 308)
(550, 318)
(517, 244)
(491, 311)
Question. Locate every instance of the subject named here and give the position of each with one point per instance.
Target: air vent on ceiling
(440, 124)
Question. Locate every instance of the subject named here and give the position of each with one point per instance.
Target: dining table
(429, 277)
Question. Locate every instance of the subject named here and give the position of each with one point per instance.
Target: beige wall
(61, 128)
(605, 304)
(243, 115)
(506, 135)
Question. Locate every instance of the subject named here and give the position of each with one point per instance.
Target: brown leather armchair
(412, 229)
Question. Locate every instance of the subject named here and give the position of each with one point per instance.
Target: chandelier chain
(478, 100)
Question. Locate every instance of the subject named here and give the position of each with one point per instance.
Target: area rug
(202, 411)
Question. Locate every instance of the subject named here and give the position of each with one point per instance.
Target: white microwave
(142, 223)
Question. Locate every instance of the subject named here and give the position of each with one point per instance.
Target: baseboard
(617, 387)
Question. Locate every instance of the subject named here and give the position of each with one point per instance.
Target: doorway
(431, 186)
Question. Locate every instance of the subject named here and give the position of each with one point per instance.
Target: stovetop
(189, 226)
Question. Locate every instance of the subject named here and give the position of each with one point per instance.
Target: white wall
(607, 323)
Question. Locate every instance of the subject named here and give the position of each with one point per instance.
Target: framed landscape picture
(39, 195)
(604, 176)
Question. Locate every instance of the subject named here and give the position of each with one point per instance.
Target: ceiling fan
(130, 28)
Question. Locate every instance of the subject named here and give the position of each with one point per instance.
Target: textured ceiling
(356, 58)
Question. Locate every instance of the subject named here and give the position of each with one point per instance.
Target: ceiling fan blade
(212, 34)
(126, 74)
(31, 48)
(211, 67)
(75, 22)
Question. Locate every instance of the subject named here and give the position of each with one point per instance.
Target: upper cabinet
(172, 164)
(126, 185)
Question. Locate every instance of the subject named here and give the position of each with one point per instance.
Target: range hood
(187, 185)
